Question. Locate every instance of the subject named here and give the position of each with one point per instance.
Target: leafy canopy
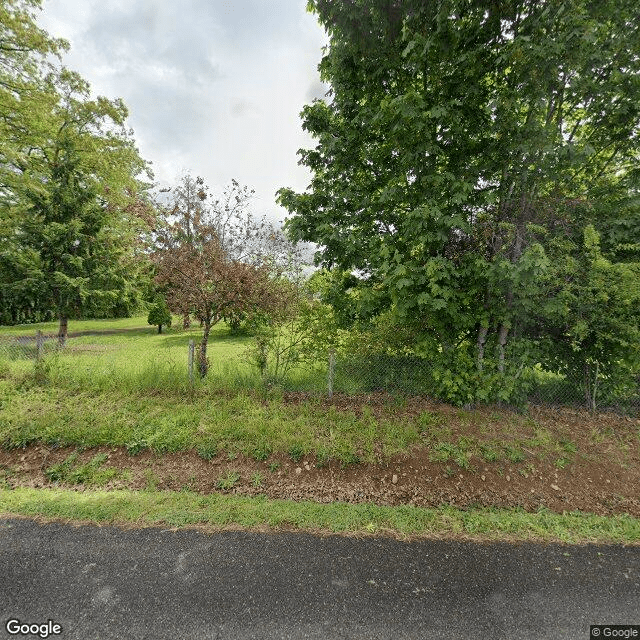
(461, 142)
(72, 203)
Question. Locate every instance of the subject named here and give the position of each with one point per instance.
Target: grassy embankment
(130, 389)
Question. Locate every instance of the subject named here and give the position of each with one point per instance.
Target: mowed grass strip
(184, 509)
(99, 324)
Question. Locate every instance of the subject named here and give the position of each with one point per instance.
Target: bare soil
(602, 476)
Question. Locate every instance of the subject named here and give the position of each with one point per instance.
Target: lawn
(119, 353)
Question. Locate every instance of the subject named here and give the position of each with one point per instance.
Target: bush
(159, 314)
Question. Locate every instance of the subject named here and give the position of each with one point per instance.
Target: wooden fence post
(331, 373)
(191, 354)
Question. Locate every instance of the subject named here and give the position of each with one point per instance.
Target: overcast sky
(214, 87)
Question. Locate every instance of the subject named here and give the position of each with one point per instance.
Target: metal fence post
(331, 373)
(191, 354)
(39, 344)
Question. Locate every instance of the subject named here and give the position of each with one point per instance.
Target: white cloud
(213, 86)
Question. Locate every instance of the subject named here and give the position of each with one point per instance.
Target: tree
(218, 261)
(159, 313)
(590, 328)
(24, 52)
(72, 204)
(278, 330)
(460, 139)
(75, 194)
(187, 209)
(23, 45)
(24, 49)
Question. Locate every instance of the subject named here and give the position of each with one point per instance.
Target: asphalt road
(105, 583)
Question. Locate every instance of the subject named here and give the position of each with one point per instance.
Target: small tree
(278, 331)
(188, 203)
(204, 279)
(159, 314)
(218, 261)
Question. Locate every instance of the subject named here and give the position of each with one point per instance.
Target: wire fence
(412, 375)
(26, 347)
(373, 373)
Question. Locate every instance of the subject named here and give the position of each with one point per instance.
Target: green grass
(514, 454)
(133, 359)
(489, 453)
(135, 322)
(240, 422)
(256, 479)
(207, 450)
(180, 509)
(228, 480)
(131, 389)
(215, 421)
(90, 473)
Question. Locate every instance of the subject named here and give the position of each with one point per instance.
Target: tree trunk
(159, 328)
(62, 331)
(502, 341)
(590, 385)
(482, 338)
(186, 321)
(203, 363)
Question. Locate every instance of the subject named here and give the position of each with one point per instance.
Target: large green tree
(25, 52)
(72, 198)
(77, 201)
(460, 138)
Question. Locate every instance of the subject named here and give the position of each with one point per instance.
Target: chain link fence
(26, 347)
(412, 375)
(416, 376)
(396, 375)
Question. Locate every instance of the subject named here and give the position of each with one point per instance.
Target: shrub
(159, 314)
